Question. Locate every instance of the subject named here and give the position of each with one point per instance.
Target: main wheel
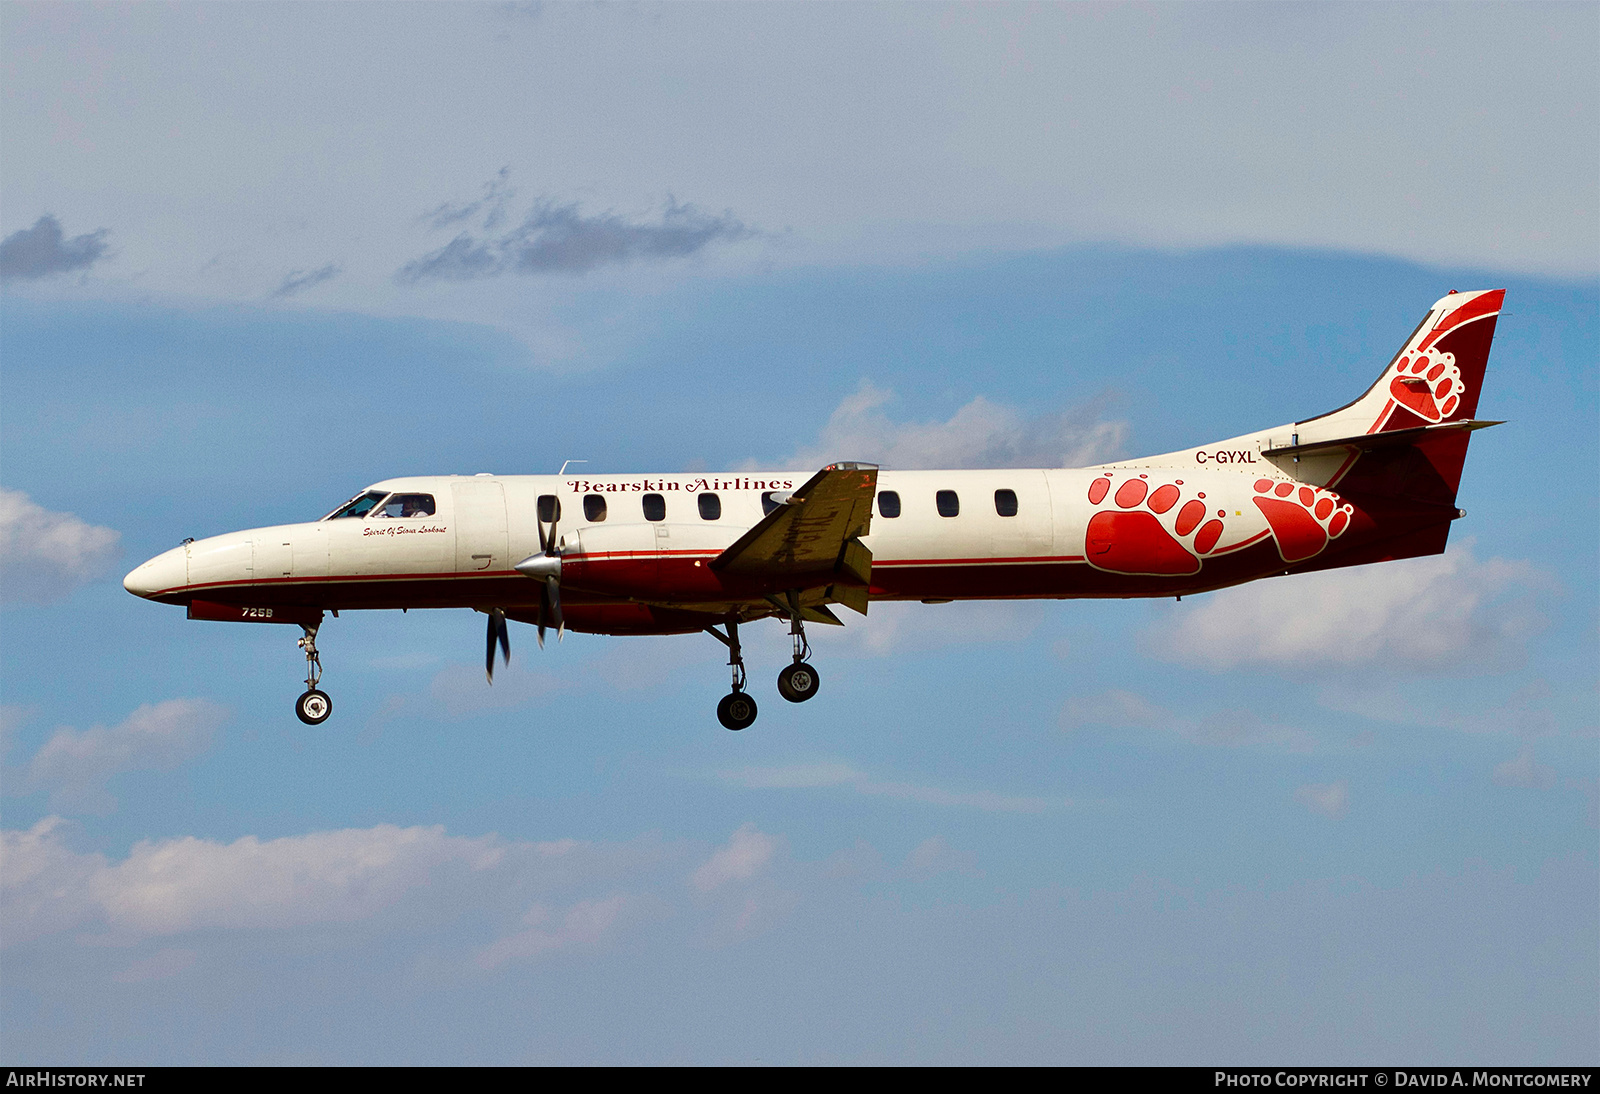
(313, 707)
(798, 682)
(736, 711)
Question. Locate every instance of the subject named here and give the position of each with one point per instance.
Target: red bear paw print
(1303, 518)
(1145, 531)
(1428, 385)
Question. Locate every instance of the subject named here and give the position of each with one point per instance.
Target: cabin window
(406, 505)
(358, 506)
(1005, 502)
(594, 508)
(888, 504)
(710, 507)
(655, 507)
(949, 505)
(549, 508)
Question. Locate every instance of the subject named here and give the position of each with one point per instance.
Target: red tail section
(1438, 377)
(1408, 434)
(1411, 429)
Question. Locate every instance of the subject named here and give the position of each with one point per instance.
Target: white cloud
(168, 886)
(411, 876)
(1331, 800)
(165, 887)
(933, 856)
(1526, 713)
(75, 766)
(1440, 613)
(980, 434)
(45, 555)
(833, 774)
(1227, 729)
(161, 965)
(12, 717)
(1115, 707)
(900, 627)
(747, 853)
(45, 886)
(1525, 772)
(1177, 126)
(585, 923)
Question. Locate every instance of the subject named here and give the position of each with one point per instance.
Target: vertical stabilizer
(1436, 377)
(1427, 398)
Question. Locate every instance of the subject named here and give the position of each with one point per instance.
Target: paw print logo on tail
(1428, 385)
(1145, 531)
(1302, 518)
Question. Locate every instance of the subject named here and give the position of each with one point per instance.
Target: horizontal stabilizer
(1368, 441)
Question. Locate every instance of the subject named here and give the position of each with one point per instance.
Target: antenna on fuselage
(563, 470)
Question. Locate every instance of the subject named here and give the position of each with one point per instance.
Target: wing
(815, 535)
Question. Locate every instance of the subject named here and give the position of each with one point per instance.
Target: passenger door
(480, 521)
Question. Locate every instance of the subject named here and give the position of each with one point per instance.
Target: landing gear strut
(737, 710)
(798, 682)
(314, 706)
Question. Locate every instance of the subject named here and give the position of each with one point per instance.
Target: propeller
(550, 608)
(498, 631)
(545, 567)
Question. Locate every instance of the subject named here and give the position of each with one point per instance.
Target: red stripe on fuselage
(1016, 577)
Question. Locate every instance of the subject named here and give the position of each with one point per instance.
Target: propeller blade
(553, 595)
(499, 633)
(550, 591)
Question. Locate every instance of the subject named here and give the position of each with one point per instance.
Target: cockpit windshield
(358, 506)
(405, 505)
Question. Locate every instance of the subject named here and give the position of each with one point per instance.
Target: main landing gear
(314, 706)
(796, 683)
(737, 710)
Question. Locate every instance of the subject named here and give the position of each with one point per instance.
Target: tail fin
(1435, 378)
(1404, 442)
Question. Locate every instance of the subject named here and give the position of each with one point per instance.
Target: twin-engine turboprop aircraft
(678, 554)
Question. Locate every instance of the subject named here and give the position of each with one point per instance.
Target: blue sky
(1343, 818)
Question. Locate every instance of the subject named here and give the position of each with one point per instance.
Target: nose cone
(164, 573)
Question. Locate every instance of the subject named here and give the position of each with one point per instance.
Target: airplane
(1372, 481)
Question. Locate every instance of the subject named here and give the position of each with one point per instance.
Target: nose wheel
(314, 706)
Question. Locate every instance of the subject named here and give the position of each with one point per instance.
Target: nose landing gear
(314, 706)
